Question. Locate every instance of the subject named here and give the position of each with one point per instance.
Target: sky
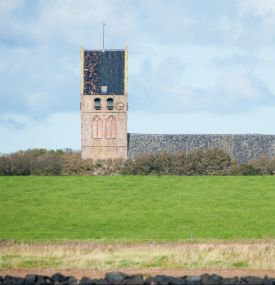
(195, 66)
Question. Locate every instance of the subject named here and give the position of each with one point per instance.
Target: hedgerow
(197, 162)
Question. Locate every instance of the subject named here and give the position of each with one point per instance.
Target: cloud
(7, 7)
(38, 81)
(235, 61)
(253, 25)
(162, 90)
(39, 101)
(137, 23)
(256, 122)
(240, 92)
(58, 131)
(263, 8)
(15, 121)
(69, 24)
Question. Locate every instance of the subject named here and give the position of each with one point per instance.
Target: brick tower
(103, 103)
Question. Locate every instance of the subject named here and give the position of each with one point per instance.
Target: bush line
(198, 162)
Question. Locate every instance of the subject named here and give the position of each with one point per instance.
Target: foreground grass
(136, 208)
(119, 256)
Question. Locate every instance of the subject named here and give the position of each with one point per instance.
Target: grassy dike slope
(137, 208)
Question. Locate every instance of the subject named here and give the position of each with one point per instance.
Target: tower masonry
(104, 104)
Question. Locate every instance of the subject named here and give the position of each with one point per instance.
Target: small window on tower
(104, 89)
(110, 104)
(97, 104)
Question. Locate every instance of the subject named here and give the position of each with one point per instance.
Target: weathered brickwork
(111, 138)
(241, 147)
(103, 102)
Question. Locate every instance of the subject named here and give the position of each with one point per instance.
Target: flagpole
(103, 35)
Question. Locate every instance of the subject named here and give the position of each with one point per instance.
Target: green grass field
(137, 208)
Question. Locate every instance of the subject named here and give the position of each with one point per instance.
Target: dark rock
(58, 277)
(119, 278)
(115, 277)
(163, 279)
(177, 281)
(100, 282)
(213, 279)
(134, 280)
(19, 281)
(193, 280)
(180, 281)
(204, 279)
(43, 280)
(40, 281)
(252, 280)
(86, 281)
(231, 281)
(30, 279)
(170, 280)
(9, 280)
(151, 281)
(70, 281)
(268, 281)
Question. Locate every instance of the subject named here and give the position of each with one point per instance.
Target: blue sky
(195, 66)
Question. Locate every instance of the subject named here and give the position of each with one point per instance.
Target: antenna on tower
(103, 26)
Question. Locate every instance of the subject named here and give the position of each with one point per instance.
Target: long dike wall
(120, 278)
(241, 147)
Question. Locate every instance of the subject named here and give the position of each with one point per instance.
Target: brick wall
(104, 146)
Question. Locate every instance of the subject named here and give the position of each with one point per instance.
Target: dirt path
(78, 273)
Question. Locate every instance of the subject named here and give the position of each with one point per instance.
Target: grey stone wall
(241, 147)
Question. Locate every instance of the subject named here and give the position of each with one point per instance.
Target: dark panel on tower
(104, 72)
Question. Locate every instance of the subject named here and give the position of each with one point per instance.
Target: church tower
(103, 103)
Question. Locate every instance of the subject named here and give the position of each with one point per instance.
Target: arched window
(97, 104)
(111, 127)
(97, 127)
(110, 104)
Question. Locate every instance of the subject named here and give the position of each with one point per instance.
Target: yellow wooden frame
(126, 72)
